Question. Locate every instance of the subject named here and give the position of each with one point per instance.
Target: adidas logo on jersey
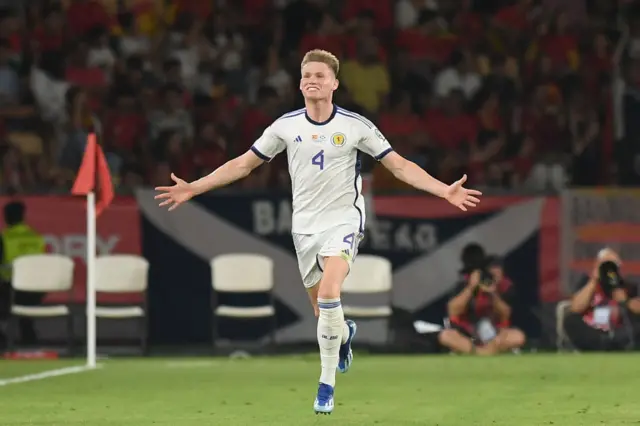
(298, 139)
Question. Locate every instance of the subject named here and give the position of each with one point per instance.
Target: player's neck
(319, 111)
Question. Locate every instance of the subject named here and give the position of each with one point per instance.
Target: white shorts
(340, 241)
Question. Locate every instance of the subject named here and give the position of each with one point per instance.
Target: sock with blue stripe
(330, 329)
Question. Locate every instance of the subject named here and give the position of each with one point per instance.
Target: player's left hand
(460, 196)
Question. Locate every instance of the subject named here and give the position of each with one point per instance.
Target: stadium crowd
(516, 93)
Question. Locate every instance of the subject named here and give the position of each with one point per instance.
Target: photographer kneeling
(479, 313)
(605, 313)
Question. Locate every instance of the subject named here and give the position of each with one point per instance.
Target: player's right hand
(174, 195)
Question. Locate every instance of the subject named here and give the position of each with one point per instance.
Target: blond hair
(319, 55)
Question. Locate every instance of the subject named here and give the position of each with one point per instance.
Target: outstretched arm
(264, 149)
(229, 172)
(376, 145)
(409, 172)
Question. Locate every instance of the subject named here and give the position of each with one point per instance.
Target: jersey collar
(322, 123)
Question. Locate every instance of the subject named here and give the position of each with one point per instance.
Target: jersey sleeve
(268, 145)
(374, 143)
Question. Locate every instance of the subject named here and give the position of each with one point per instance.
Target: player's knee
(335, 271)
(329, 291)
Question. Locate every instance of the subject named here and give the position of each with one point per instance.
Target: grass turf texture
(563, 390)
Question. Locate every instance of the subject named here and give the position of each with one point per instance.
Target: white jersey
(324, 164)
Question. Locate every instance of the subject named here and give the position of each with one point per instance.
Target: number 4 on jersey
(318, 160)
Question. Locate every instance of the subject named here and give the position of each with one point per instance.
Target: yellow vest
(19, 240)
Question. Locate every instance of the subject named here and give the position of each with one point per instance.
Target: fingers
(462, 180)
(163, 188)
(175, 206)
(165, 203)
(473, 192)
(462, 207)
(469, 203)
(473, 199)
(163, 195)
(176, 179)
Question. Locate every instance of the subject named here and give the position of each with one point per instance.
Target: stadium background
(544, 99)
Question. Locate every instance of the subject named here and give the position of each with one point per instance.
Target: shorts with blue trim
(311, 249)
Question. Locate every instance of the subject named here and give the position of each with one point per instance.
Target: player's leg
(331, 327)
(313, 298)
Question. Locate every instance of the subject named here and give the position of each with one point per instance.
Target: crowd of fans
(516, 93)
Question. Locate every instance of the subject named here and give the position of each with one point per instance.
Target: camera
(486, 278)
(609, 277)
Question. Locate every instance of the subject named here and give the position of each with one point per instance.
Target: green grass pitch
(562, 390)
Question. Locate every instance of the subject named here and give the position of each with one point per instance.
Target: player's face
(318, 81)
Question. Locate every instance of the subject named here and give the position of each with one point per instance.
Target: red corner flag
(94, 175)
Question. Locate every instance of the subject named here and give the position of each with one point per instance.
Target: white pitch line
(47, 374)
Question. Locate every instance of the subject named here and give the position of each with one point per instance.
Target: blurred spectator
(459, 75)
(18, 239)
(605, 310)
(365, 77)
(408, 11)
(85, 15)
(516, 93)
(480, 309)
(9, 81)
(132, 41)
(325, 35)
(172, 115)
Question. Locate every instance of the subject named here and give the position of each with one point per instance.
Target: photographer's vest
(480, 306)
(602, 312)
(19, 240)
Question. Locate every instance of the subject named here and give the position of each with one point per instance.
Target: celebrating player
(323, 144)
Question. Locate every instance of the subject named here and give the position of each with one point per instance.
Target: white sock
(345, 332)
(330, 330)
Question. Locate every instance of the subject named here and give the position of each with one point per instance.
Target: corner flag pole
(94, 182)
(91, 280)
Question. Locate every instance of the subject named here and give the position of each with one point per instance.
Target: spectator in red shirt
(210, 150)
(428, 40)
(450, 127)
(83, 15)
(452, 131)
(559, 44)
(519, 166)
(468, 25)
(51, 35)
(381, 9)
(10, 30)
(80, 73)
(125, 127)
(597, 62)
(325, 36)
(174, 149)
(257, 118)
(364, 29)
(400, 121)
(514, 18)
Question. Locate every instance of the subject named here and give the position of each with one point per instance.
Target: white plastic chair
(123, 274)
(242, 273)
(369, 275)
(42, 273)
